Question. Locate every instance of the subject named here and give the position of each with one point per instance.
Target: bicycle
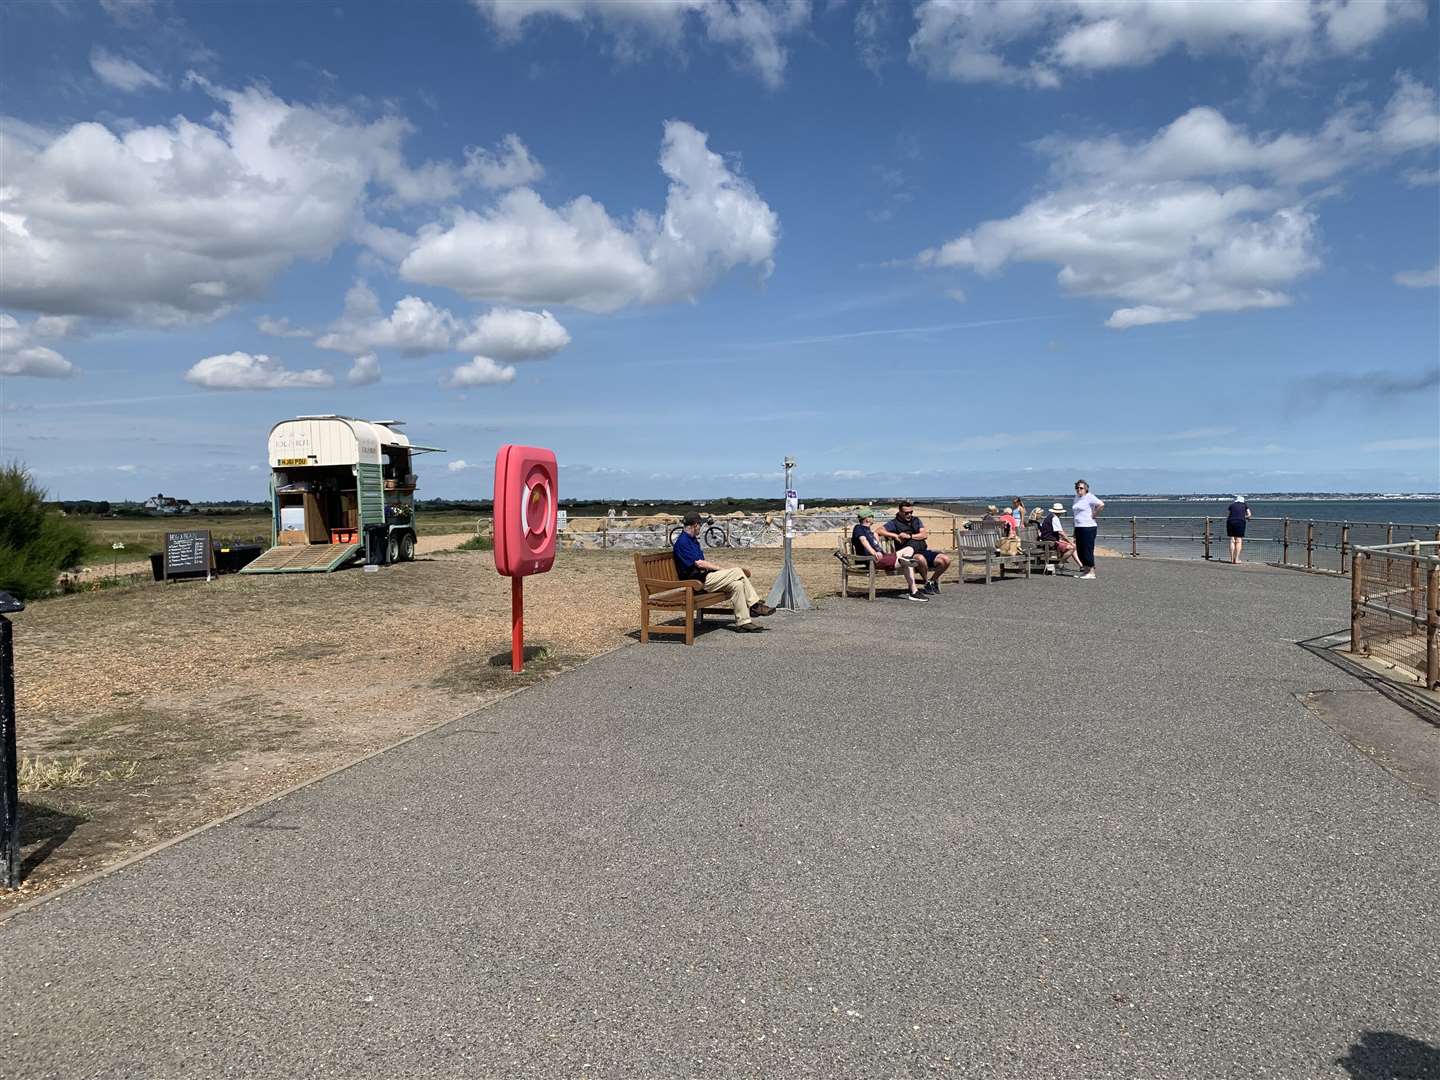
(711, 534)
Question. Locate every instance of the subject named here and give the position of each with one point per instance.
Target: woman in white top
(1085, 507)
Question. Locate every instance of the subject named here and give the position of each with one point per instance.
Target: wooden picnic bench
(864, 566)
(978, 546)
(662, 589)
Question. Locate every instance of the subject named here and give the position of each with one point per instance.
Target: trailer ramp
(303, 559)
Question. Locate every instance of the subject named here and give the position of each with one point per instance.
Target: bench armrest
(654, 585)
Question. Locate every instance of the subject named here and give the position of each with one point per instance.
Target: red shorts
(885, 562)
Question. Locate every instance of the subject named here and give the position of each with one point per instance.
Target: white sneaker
(1087, 576)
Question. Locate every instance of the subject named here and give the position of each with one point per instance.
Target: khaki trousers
(736, 585)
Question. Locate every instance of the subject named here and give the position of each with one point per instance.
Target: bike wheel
(675, 530)
(717, 536)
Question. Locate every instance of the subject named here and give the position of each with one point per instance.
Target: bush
(478, 543)
(36, 543)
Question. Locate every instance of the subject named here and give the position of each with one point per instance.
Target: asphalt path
(1045, 828)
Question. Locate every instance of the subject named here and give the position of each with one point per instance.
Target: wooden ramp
(302, 558)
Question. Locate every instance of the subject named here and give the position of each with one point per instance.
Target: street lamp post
(787, 592)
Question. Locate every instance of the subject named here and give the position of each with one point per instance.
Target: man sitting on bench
(907, 530)
(862, 540)
(691, 565)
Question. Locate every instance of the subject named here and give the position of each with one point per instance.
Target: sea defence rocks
(741, 530)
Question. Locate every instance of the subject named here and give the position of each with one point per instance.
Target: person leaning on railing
(1235, 517)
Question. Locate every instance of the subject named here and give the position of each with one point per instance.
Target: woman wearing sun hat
(1235, 517)
(863, 542)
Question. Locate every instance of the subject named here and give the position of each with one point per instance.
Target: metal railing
(1300, 543)
(1395, 608)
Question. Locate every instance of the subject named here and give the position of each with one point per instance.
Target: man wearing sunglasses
(908, 530)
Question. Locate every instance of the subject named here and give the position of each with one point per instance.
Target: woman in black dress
(1235, 520)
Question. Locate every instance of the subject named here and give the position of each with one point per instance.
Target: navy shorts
(1235, 529)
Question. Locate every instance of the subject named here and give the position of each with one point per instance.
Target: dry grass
(56, 774)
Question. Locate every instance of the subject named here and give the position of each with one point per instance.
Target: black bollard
(9, 759)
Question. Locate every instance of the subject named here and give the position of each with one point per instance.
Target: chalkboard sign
(189, 553)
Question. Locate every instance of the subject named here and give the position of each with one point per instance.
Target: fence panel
(1395, 608)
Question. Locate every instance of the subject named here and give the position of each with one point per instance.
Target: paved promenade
(1056, 828)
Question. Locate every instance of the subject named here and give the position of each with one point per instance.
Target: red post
(517, 624)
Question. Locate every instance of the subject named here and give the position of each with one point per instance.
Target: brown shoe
(761, 610)
(748, 628)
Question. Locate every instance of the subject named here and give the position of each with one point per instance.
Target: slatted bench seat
(661, 589)
(863, 566)
(1044, 555)
(978, 546)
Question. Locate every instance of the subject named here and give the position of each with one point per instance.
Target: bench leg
(644, 621)
(689, 618)
(989, 567)
(872, 579)
(844, 580)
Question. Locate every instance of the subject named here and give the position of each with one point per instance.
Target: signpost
(527, 503)
(189, 553)
(9, 759)
(787, 592)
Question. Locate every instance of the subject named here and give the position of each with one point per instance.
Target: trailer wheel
(392, 549)
(407, 547)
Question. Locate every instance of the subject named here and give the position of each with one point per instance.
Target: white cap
(1239, 498)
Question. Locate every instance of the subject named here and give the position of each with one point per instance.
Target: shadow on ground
(42, 830)
(1388, 1055)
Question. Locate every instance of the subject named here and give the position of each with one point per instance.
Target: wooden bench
(1041, 553)
(864, 567)
(978, 546)
(661, 588)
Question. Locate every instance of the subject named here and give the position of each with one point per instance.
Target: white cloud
(1202, 217)
(364, 371)
(957, 294)
(125, 468)
(459, 466)
(510, 166)
(481, 371)
(1421, 177)
(122, 74)
(20, 355)
(753, 28)
(1037, 42)
(242, 371)
(512, 334)
(129, 12)
(281, 328)
(415, 328)
(525, 252)
(1419, 279)
(200, 215)
(1423, 442)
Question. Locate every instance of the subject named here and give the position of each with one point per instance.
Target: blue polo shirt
(914, 525)
(687, 553)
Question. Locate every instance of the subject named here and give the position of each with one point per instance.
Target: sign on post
(527, 504)
(189, 553)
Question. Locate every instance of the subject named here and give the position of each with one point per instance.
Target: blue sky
(940, 249)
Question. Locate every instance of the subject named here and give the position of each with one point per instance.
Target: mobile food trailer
(336, 485)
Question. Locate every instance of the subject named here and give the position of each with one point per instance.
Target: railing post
(1344, 543)
(1285, 542)
(1415, 580)
(1207, 538)
(1132, 538)
(1309, 545)
(1389, 534)
(1357, 601)
(1432, 629)
(9, 758)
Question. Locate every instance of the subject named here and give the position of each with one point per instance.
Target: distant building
(164, 504)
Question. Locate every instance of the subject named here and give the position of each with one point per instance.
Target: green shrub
(478, 543)
(36, 543)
